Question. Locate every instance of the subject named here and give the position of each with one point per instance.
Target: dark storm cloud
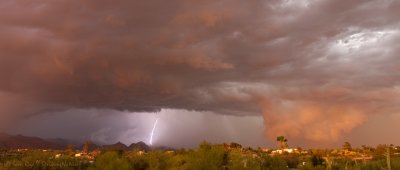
(313, 68)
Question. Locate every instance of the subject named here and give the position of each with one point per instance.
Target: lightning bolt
(152, 131)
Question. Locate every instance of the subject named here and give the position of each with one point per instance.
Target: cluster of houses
(88, 155)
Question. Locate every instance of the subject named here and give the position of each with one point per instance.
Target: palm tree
(282, 141)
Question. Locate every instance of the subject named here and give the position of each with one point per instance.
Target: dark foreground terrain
(206, 156)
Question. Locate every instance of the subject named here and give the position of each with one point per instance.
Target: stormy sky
(319, 72)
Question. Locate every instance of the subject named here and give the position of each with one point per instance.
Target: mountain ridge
(19, 141)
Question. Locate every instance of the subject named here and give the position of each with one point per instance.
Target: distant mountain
(25, 142)
(120, 146)
(140, 145)
(77, 145)
(116, 146)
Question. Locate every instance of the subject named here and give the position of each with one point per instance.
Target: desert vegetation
(205, 156)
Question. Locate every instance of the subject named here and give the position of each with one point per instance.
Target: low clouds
(311, 121)
(314, 68)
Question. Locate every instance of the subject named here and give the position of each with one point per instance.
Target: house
(91, 155)
(281, 151)
(265, 150)
(57, 156)
(78, 155)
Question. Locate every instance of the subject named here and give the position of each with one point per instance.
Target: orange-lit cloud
(314, 70)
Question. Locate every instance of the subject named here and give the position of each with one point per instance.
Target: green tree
(157, 160)
(272, 163)
(111, 161)
(138, 161)
(178, 160)
(238, 161)
(207, 157)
